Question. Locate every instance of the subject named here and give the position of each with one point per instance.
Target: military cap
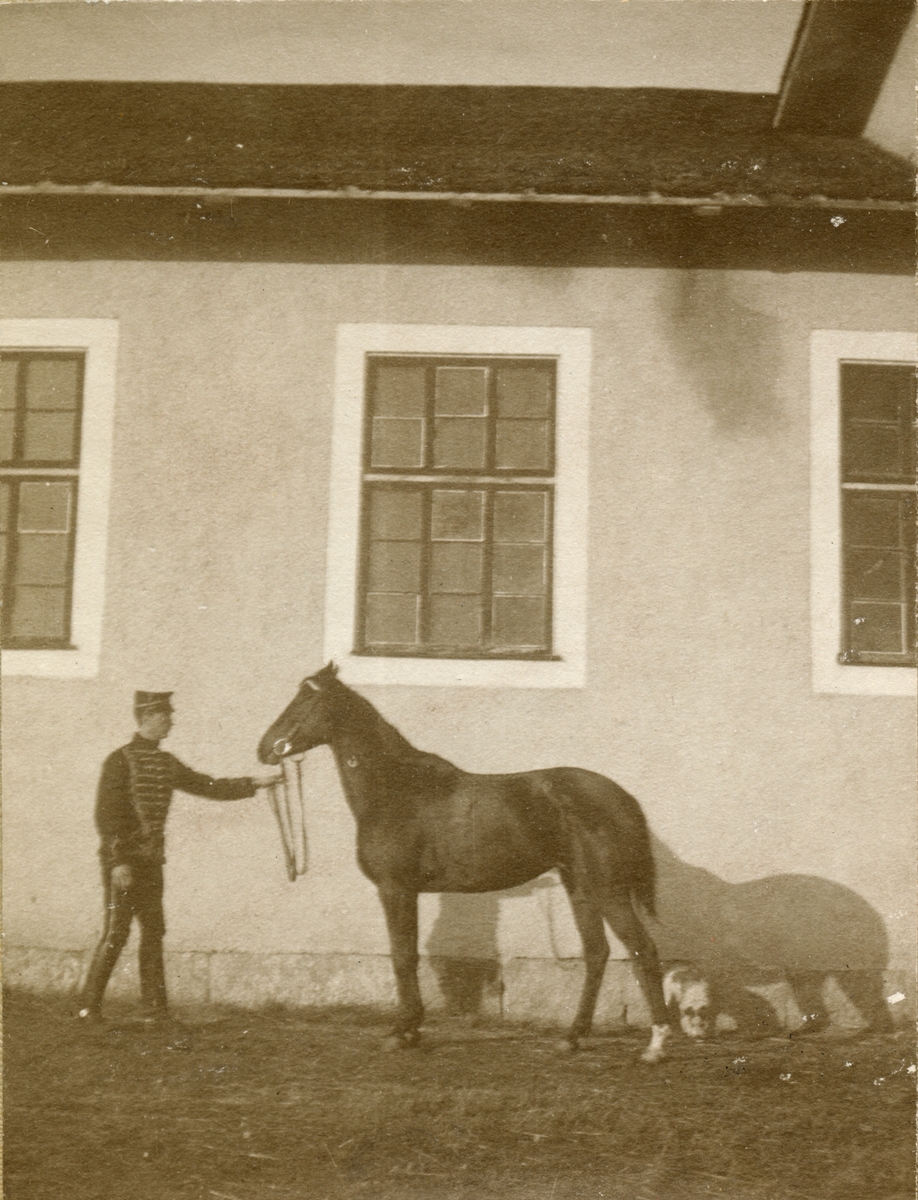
(152, 702)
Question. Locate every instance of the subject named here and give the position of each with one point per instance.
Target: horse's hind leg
(401, 909)
(588, 918)
(618, 910)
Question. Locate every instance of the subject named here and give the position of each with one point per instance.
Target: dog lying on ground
(688, 993)
(692, 998)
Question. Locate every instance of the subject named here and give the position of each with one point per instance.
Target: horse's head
(304, 722)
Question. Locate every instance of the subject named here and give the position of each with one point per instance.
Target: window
(457, 544)
(41, 397)
(56, 392)
(878, 513)
(457, 507)
(864, 397)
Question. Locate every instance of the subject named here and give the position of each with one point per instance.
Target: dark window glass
(457, 508)
(878, 423)
(878, 514)
(40, 412)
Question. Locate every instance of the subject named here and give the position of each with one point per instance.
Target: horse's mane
(384, 741)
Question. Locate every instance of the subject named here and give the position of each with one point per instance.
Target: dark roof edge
(653, 199)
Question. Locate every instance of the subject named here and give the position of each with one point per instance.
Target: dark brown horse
(424, 825)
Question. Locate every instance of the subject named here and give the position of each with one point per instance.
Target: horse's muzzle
(281, 748)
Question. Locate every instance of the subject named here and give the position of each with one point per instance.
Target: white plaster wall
(698, 696)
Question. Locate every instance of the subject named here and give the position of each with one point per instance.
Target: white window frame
(828, 349)
(572, 350)
(97, 338)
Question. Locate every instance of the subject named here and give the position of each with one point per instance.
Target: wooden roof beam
(840, 57)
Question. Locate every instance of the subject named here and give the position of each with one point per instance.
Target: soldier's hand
(122, 877)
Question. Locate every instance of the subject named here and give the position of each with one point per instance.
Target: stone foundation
(542, 991)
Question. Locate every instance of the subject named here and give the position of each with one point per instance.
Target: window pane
(519, 570)
(457, 516)
(459, 442)
(399, 391)
(455, 567)
(52, 383)
(878, 410)
(877, 628)
(42, 558)
(520, 517)
(394, 567)
(49, 437)
(875, 574)
(522, 444)
(7, 427)
(874, 450)
(877, 391)
(395, 514)
(9, 372)
(397, 442)
(524, 391)
(44, 507)
(518, 621)
(455, 621)
(461, 392)
(38, 612)
(873, 520)
(392, 620)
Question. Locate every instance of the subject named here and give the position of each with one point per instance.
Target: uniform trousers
(143, 900)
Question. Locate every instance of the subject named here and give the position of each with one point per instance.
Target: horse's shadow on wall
(782, 953)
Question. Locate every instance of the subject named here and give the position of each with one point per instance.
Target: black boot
(152, 979)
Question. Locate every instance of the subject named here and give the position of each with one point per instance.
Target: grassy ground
(303, 1105)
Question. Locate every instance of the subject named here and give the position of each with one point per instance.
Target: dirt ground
(305, 1105)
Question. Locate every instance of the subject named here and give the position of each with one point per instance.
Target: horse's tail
(635, 852)
(643, 884)
(640, 868)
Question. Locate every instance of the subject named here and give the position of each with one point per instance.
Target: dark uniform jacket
(135, 791)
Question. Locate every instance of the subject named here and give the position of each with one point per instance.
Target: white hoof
(657, 1048)
(400, 1041)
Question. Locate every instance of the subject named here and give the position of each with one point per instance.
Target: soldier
(135, 791)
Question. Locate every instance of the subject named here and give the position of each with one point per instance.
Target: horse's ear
(331, 668)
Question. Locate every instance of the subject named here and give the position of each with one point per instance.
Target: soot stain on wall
(729, 350)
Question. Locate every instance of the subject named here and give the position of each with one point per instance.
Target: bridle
(286, 799)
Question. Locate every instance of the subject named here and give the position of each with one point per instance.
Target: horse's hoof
(657, 1048)
(568, 1045)
(401, 1041)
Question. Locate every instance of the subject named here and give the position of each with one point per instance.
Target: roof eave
(707, 204)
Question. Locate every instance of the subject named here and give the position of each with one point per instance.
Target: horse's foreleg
(627, 926)
(588, 918)
(401, 909)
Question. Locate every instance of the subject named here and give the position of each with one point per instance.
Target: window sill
(859, 679)
(460, 672)
(51, 664)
